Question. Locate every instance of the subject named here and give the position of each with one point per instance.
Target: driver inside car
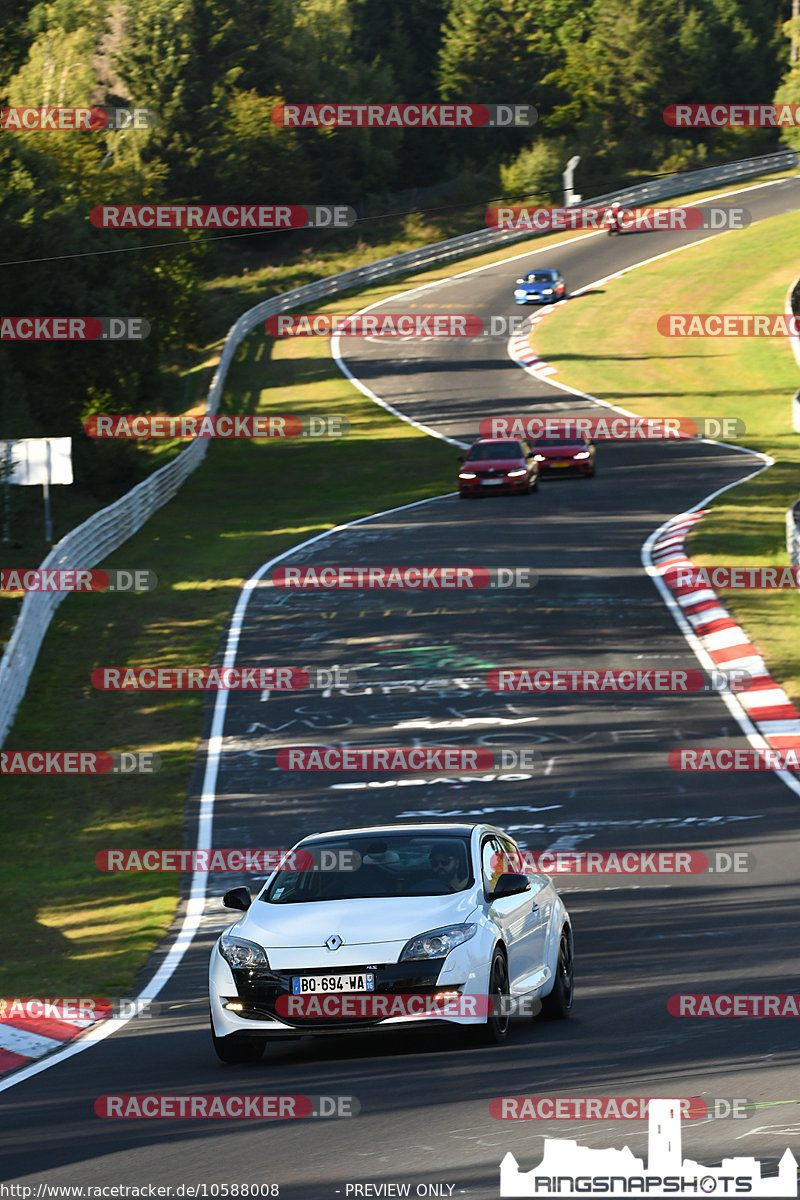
(448, 866)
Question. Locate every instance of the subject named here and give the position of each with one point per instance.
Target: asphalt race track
(600, 780)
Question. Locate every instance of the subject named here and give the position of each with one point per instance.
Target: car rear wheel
(558, 1005)
(237, 1047)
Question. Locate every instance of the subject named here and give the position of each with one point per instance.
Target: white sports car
(387, 926)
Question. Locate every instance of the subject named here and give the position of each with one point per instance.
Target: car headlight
(240, 953)
(518, 472)
(547, 291)
(467, 475)
(540, 457)
(520, 292)
(437, 943)
(583, 454)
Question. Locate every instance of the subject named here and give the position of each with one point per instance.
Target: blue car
(544, 286)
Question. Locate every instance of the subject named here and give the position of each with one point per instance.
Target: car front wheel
(495, 1031)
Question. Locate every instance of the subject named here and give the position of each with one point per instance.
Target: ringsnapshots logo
(223, 216)
(404, 116)
(79, 762)
(729, 116)
(606, 427)
(76, 579)
(212, 425)
(628, 220)
(73, 329)
(402, 577)
(66, 119)
(568, 1169)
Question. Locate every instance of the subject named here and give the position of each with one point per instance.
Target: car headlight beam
(437, 943)
(519, 471)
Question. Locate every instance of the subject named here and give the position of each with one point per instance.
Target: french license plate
(492, 482)
(318, 985)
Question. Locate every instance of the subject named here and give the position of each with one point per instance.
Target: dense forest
(600, 73)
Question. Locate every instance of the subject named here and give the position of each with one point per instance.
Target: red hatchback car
(498, 465)
(562, 455)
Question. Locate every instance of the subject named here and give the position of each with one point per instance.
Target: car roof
(494, 441)
(463, 829)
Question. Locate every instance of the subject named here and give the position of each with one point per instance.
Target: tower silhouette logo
(568, 1169)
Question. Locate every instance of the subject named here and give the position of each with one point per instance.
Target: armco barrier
(89, 543)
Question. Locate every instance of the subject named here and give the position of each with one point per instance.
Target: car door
(518, 917)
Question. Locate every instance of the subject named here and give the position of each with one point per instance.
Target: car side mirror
(239, 898)
(510, 884)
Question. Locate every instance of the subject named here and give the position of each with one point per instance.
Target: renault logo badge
(333, 942)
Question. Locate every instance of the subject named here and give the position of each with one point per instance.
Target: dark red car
(564, 455)
(498, 465)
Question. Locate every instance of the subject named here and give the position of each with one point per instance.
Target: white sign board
(29, 460)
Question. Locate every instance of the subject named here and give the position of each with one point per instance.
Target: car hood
(559, 451)
(537, 287)
(357, 922)
(493, 464)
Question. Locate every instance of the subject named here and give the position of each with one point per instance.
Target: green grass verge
(617, 354)
(82, 932)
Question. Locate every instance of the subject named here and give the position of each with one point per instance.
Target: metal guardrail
(106, 530)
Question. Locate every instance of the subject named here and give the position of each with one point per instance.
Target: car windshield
(540, 276)
(576, 442)
(370, 866)
(495, 450)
